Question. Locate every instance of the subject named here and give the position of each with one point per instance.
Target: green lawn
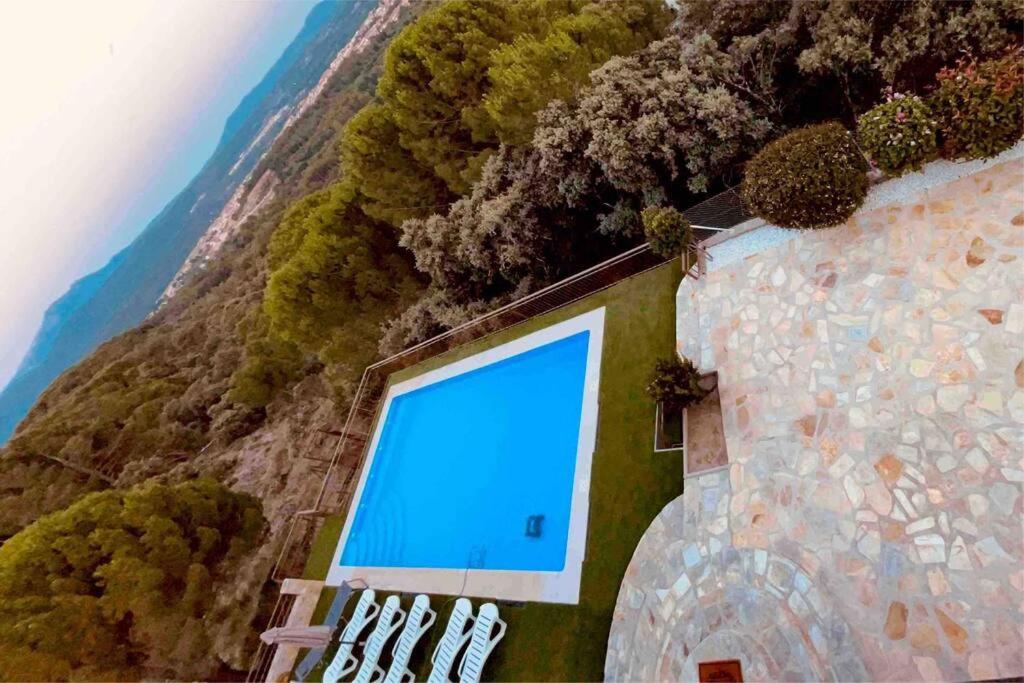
(629, 486)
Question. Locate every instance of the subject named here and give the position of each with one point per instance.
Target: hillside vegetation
(488, 149)
(121, 294)
(122, 584)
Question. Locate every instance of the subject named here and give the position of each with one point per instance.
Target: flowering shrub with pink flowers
(898, 135)
(980, 106)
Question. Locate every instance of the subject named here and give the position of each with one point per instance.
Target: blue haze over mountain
(122, 293)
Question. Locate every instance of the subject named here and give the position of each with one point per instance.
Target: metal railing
(334, 495)
(717, 213)
(264, 655)
(338, 485)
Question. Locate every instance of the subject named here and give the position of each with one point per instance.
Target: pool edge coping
(521, 585)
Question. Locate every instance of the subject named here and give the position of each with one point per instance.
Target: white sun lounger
(455, 636)
(418, 622)
(389, 621)
(313, 657)
(343, 662)
(481, 643)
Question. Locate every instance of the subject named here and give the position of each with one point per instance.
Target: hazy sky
(109, 108)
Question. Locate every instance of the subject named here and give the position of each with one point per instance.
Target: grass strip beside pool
(629, 486)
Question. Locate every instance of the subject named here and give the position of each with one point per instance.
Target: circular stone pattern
(686, 600)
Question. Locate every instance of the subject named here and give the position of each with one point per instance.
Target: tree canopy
(469, 75)
(121, 583)
(344, 263)
(566, 40)
(821, 60)
(465, 77)
(660, 126)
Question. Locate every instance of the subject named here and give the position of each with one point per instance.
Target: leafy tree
(288, 236)
(488, 239)
(515, 226)
(667, 230)
(434, 81)
(436, 311)
(556, 56)
(816, 59)
(648, 124)
(31, 483)
(900, 41)
(109, 586)
(393, 184)
(346, 264)
(666, 115)
(271, 363)
(469, 75)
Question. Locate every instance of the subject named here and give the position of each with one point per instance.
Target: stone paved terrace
(869, 525)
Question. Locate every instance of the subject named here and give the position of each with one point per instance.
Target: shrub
(899, 134)
(980, 106)
(667, 230)
(663, 117)
(815, 177)
(675, 383)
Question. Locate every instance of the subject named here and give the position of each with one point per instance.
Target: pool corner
(561, 586)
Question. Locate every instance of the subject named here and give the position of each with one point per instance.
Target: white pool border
(533, 586)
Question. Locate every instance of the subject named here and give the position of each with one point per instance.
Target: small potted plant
(675, 384)
(670, 234)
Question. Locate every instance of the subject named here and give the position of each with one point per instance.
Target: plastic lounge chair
(313, 657)
(417, 622)
(344, 662)
(389, 621)
(455, 636)
(471, 668)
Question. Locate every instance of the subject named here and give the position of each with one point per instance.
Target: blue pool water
(462, 464)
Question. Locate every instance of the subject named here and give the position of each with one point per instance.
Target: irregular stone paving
(869, 526)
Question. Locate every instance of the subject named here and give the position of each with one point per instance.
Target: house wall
(872, 388)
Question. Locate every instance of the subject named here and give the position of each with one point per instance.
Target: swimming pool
(477, 475)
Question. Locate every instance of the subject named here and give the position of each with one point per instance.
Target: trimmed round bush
(814, 177)
(675, 383)
(898, 135)
(980, 106)
(667, 230)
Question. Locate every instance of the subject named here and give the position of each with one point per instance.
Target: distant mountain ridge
(78, 294)
(121, 294)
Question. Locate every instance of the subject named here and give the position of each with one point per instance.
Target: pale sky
(109, 108)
